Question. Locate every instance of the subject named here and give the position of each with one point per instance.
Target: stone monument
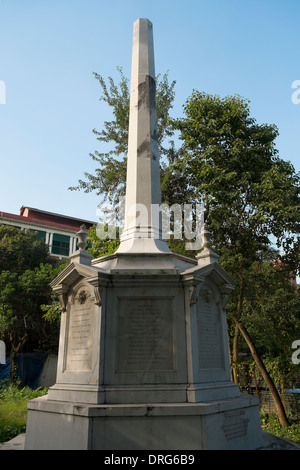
(143, 354)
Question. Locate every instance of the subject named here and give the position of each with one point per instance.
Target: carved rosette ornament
(206, 295)
(82, 296)
(200, 292)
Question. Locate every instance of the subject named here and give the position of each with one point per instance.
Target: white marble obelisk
(142, 229)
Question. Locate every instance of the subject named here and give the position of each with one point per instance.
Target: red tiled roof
(40, 214)
(70, 225)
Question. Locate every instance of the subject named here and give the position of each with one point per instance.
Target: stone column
(142, 229)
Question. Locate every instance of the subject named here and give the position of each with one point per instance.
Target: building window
(60, 245)
(40, 234)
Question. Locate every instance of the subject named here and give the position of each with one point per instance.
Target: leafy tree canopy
(110, 175)
(25, 274)
(20, 249)
(251, 196)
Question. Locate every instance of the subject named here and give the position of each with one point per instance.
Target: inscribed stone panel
(80, 332)
(209, 331)
(235, 424)
(145, 335)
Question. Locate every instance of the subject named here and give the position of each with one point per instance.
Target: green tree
(101, 246)
(25, 274)
(110, 175)
(271, 305)
(20, 249)
(251, 196)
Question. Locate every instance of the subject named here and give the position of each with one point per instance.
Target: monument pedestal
(143, 363)
(229, 424)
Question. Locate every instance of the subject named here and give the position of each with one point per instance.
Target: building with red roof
(57, 230)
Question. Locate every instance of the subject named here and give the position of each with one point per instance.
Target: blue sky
(50, 49)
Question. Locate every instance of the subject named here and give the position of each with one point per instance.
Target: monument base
(229, 424)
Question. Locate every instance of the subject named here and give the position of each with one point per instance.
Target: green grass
(271, 424)
(13, 409)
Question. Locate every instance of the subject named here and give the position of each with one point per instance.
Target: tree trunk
(14, 352)
(235, 350)
(235, 346)
(13, 364)
(230, 360)
(268, 380)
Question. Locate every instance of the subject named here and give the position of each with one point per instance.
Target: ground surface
(271, 443)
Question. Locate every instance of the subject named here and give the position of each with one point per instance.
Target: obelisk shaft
(143, 193)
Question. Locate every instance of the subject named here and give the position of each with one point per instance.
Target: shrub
(13, 409)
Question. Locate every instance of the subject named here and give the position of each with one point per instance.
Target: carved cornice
(98, 293)
(75, 271)
(225, 292)
(62, 292)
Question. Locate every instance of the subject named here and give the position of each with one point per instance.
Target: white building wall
(49, 234)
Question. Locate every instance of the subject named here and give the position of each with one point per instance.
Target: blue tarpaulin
(29, 368)
(5, 370)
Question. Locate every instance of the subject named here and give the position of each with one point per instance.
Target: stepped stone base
(225, 424)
